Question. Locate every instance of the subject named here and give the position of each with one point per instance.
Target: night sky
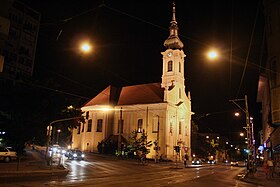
(128, 40)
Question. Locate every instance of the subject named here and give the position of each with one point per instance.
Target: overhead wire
(249, 50)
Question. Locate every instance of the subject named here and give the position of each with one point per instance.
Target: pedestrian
(270, 168)
(186, 159)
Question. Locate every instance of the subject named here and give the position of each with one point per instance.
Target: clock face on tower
(169, 54)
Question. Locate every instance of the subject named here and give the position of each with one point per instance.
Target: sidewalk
(260, 179)
(32, 164)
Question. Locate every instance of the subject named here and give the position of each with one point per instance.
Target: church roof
(141, 94)
(106, 97)
(136, 94)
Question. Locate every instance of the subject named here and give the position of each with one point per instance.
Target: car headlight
(83, 155)
(197, 162)
(74, 155)
(192, 161)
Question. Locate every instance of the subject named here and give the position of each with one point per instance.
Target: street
(96, 170)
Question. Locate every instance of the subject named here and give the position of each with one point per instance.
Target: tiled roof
(136, 94)
(103, 98)
(141, 94)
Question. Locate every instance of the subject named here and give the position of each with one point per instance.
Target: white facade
(145, 107)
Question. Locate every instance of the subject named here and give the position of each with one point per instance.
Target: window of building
(140, 125)
(170, 66)
(155, 125)
(79, 129)
(99, 125)
(180, 67)
(186, 130)
(89, 125)
(87, 114)
(120, 122)
(180, 127)
(83, 125)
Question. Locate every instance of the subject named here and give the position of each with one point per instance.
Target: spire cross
(173, 16)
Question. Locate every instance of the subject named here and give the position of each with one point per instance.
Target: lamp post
(248, 128)
(119, 135)
(49, 131)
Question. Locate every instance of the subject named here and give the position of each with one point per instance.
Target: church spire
(173, 41)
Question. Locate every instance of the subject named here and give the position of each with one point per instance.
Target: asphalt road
(104, 171)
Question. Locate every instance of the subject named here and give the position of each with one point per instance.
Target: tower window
(170, 66)
(180, 67)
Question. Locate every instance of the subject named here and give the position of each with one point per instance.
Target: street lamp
(212, 55)
(85, 47)
(248, 128)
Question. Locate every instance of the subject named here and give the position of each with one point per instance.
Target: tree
(72, 112)
(139, 145)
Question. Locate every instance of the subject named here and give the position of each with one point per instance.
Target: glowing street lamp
(85, 47)
(241, 134)
(212, 55)
(237, 114)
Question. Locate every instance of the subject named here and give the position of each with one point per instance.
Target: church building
(162, 110)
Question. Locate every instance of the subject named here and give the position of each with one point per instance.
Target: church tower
(173, 80)
(178, 111)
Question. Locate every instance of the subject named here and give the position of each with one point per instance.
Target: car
(234, 163)
(75, 154)
(196, 162)
(6, 154)
(211, 161)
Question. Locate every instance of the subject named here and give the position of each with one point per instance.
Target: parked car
(6, 154)
(75, 154)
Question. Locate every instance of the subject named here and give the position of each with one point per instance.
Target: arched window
(140, 125)
(99, 125)
(170, 66)
(89, 125)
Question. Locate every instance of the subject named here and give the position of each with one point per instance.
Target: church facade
(162, 110)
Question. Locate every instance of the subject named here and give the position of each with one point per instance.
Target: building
(269, 83)
(162, 110)
(19, 27)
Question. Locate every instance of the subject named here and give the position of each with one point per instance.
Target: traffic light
(177, 148)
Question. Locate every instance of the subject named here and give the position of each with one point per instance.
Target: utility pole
(119, 135)
(248, 128)
(157, 141)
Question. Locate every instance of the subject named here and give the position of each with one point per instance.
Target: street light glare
(236, 114)
(86, 47)
(212, 54)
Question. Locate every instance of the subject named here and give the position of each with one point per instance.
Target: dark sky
(128, 37)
